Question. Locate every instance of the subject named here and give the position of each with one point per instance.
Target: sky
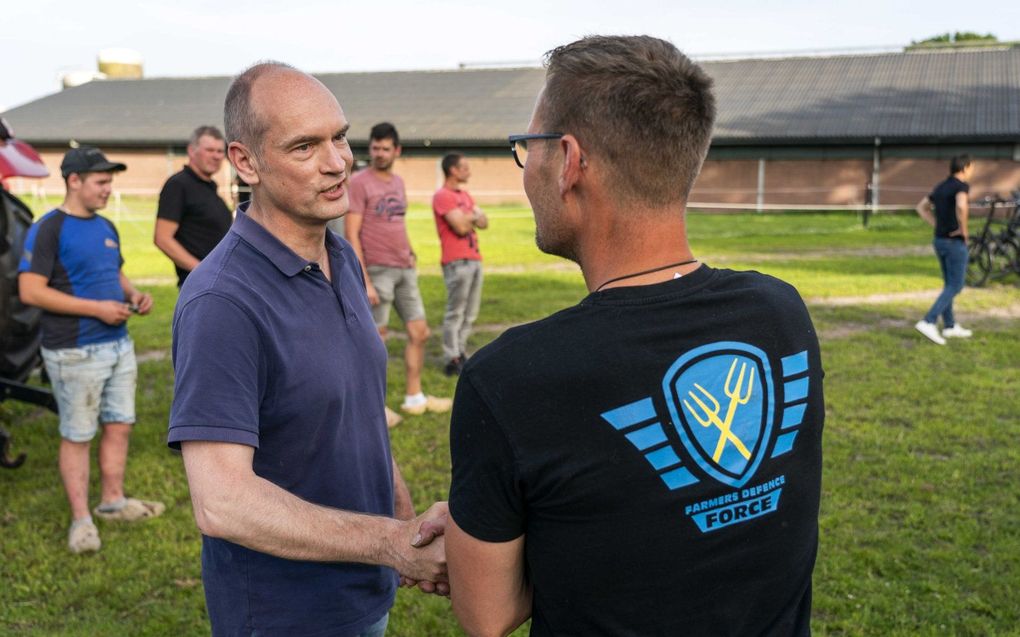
(42, 39)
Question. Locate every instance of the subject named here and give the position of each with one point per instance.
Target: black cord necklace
(631, 276)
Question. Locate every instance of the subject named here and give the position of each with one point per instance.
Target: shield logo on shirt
(721, 400)
(110, 243)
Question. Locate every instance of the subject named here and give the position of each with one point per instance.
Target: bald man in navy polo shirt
(280, 382)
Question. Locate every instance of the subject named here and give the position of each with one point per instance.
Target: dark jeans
(952, 254)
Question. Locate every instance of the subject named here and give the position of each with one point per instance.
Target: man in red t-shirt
(457, 217)
(375, 227)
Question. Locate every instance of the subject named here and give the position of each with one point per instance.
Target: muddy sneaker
(129, 510)
(957, 331)
(430, 404)
(83, 537)
(930, 330)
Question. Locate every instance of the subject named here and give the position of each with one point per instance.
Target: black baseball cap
(88, 159)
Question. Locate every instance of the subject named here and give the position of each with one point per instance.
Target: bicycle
(994, 254)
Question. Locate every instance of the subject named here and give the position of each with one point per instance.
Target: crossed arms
(464, 221)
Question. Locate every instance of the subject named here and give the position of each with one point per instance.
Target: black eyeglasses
(519, 145)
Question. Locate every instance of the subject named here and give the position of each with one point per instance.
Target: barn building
(811, 132)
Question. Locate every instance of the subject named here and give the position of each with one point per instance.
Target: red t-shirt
(454, 246)
(383, 206)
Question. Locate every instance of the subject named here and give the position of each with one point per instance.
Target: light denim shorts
(93, 384)
(397, 287)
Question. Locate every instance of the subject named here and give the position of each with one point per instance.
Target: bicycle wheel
(1001, 256)
(979, 263)
(1011, 254)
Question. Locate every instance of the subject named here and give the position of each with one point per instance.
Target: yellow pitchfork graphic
(710, 416)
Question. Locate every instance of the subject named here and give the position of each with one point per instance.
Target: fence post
(760, 200)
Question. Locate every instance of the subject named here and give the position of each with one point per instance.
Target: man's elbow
(212, 516)
(479, 625)
(486, 622)
(27, 295)
(160, 242)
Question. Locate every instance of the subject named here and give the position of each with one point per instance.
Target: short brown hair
(637, 102)
(450, 161)
(240, 120)
(204, 131)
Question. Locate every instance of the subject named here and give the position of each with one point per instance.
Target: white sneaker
(930, 330)
(431, 404)
(957, 331)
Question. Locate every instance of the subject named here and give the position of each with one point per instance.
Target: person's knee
(418, 332)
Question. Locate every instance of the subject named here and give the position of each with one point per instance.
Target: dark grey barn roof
(958, 96)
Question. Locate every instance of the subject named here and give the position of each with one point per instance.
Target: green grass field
(920, 501)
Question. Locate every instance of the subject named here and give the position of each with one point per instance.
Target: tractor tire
(20, 336)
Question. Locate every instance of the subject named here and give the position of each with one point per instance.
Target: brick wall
(496, 179)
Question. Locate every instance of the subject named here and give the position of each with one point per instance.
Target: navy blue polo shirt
(269, 353)
(79, 256)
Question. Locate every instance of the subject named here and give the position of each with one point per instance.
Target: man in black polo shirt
(647, 462)
(192, 218)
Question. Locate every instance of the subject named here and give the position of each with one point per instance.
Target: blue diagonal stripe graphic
(795, 364)
(784, 443)
(795, 390)
(662, 458)
(677, 478)
(793, 416)
(630, 414)
(647, 436)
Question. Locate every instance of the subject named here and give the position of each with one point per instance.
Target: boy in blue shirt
(71, 268)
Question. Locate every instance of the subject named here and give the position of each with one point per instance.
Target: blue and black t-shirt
(81, 257)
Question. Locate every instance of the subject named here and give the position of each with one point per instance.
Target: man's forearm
(264, 517)
(403, 506)
(231, 502)
(57, 302)
(962, 215)
(177, 253)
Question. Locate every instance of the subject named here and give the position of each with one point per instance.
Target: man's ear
(244, 162)
(74, 181)
(574, 163)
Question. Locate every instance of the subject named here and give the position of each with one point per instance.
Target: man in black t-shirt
(647, 462)
(946, 209)
(191, 218)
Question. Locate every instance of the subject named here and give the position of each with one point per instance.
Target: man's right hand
(112, 312)
(373, 296)
(427, 563)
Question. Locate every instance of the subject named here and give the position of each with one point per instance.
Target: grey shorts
(396, 287)
(92, 384)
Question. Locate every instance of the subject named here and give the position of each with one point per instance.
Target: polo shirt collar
(285, 259)
(190, 171)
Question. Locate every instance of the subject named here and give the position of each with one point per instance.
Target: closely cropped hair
(958, 163)
(450, 161)
(384, 130)
(637, 102)
(239, 118)
(204, 131)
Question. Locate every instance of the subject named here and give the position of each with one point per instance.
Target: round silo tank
(120, 64)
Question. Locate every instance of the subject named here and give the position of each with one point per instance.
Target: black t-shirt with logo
(943, 197)
(204, 218)
(660, 448)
